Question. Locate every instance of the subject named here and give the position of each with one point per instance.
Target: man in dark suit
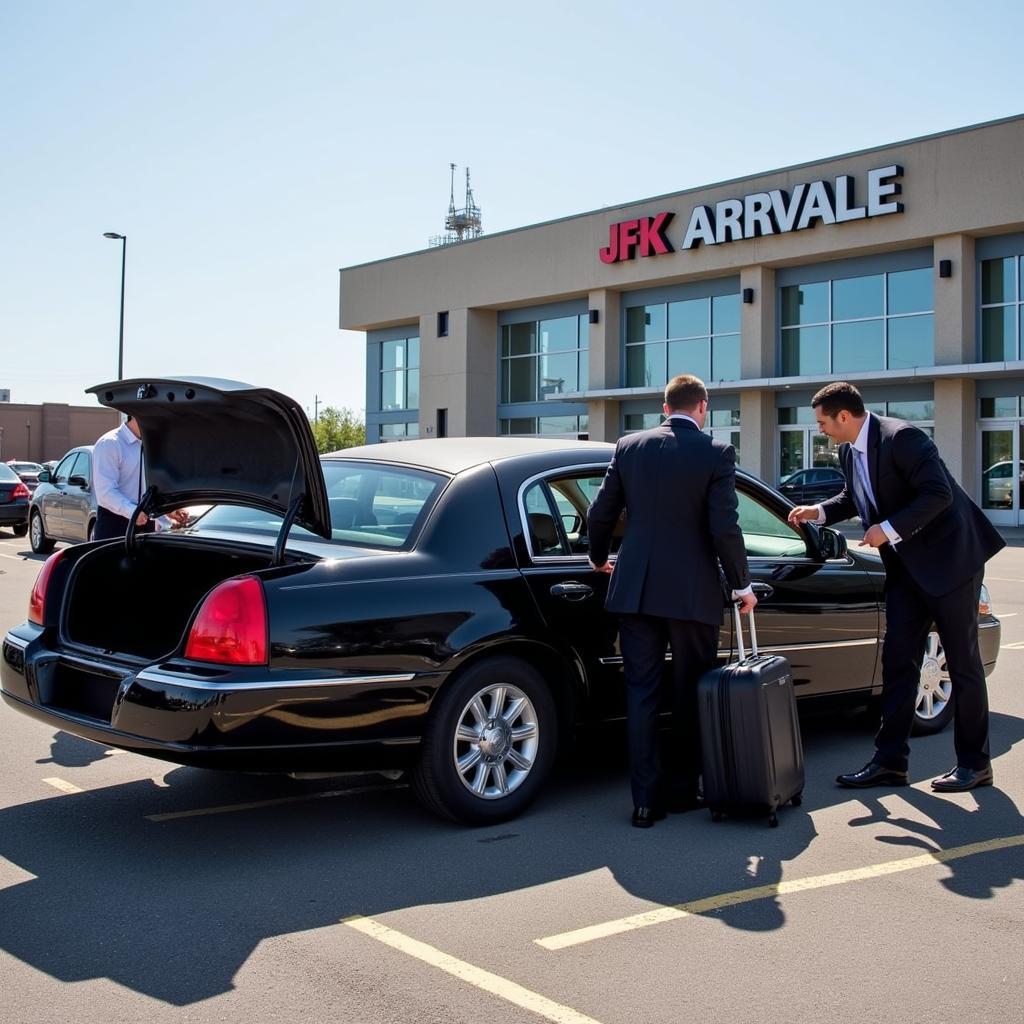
(678, 487)
(934, 542)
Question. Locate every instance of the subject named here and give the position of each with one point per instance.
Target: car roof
(456, 454)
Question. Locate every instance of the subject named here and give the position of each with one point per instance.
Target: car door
(569, 593)
(823, 615)
(51, 504)
(77, 506)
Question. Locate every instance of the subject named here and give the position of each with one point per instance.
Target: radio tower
(463, 224)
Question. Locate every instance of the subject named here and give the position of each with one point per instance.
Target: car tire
(90, 530)
(489, 743)
(934, 710)
(20, 530)
(41, 544)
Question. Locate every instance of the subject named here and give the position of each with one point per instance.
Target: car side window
(80, 467)
(63, 471)
(541, 524)
(765, 534)
(561, 502)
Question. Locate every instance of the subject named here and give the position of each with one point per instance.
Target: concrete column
(459, 373)
(955, 429)
(757, 323)
(605, 363)
(955, 303)
(758, 434)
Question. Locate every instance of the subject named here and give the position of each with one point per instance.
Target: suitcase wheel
(797, 800)
(773, 820)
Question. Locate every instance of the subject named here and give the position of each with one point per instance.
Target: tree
(338, 428)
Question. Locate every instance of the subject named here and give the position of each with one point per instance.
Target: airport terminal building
(899, 268)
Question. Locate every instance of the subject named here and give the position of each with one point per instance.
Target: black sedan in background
(14, 499)
(811, 486)
(425, 606)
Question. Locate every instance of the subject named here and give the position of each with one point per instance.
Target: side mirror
(831, 543)
(44, 476)
(78, 481)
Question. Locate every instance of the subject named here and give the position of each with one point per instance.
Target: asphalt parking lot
(132, 889)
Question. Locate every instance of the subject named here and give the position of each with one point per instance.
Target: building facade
(899, 268)
(38, 433)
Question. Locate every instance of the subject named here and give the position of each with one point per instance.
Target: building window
(546, 426)
(1002, 308)
(544, 357)
(398, 431)
(442, 324)
(698, 336)
(400, 374)
(877, 322)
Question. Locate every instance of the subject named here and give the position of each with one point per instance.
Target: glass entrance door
(803, 448)
(1000, 489)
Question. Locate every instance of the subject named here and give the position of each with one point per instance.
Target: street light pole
(120, 339)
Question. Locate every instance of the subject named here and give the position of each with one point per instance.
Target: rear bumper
(251, 720)
(14, 515)
(990, 633)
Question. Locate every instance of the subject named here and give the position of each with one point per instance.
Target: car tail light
(231, 627)
(984, 602)
(37, 599)
(20, 491)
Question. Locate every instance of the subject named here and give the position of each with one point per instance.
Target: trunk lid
(213, 441)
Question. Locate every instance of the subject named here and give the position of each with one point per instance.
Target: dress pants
(643, 640)
(110, 524)
(909, 614)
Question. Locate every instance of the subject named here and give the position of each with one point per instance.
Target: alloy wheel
(935, 688)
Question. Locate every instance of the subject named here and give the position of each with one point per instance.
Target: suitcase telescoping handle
(738, 622)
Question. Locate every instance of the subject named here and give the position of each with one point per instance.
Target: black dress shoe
(645, 817)
(873, 774)
(959, 779)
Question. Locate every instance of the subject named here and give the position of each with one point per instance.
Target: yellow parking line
(252, 805)
(64, 787)
(761, 892)
(475, 976)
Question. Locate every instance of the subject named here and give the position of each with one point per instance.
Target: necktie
(860, 493)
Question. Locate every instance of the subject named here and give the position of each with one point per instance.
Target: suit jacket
(679, 489)
(946, 538)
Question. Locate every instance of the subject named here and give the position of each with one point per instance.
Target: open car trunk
(141, 604)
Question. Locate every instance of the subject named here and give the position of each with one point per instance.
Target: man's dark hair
(684, 392)
(837, 397)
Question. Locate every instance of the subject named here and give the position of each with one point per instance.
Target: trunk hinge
(143, 506)
(282, 536)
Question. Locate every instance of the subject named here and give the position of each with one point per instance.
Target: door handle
(572, 591)
(763, 589)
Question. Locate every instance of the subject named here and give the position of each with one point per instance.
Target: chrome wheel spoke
(500, 778)
(468, 760)
(497, 701)
(932, 647)
(524, 732)
(466, 734)
(479, 783)
(479, 711)
(514, 710)
(928, 706)
(516, 759)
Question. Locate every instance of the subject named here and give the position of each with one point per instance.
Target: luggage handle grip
(738, 622)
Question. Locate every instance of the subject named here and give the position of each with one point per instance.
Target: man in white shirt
(118, 479)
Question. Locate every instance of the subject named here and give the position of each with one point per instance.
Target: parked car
(997, 484)
(27, 471)
(14, 498)
(425, 606)
(64, 504)
(810, 486)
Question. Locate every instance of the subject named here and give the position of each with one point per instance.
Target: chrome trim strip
(488, 574)
(16, 641)
(557, 471)
(190, 682)
(775, 649)
(989, 625)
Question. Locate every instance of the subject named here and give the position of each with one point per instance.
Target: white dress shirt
(860, 458)
(117, 473)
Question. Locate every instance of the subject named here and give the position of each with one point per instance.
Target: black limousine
(425, 606)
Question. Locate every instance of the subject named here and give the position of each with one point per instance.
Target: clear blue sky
(250, 149)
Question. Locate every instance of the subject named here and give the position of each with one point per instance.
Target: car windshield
(25, 467)
(372, 505)
(8, 474)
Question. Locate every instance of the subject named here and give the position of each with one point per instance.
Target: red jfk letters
(643, 237)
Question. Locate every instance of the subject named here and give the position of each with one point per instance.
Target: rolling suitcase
(753, 756)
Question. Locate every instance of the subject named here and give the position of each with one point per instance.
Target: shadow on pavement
(174, 909)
